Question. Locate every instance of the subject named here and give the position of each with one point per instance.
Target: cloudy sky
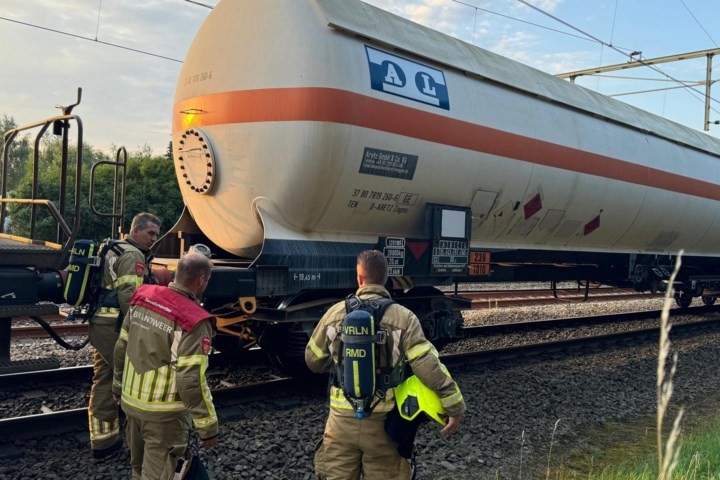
(127, 95)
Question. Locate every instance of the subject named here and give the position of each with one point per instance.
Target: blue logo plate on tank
(404, 78)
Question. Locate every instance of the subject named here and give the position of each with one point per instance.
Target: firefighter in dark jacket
(160, 363)
(126, 268)
(353, 446)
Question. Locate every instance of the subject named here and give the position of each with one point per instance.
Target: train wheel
(285, 350)
(683, 300)
(439, 322)
(708, 300)
(230, 344)
(285, 344)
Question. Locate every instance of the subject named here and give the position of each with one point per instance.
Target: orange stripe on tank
(340, 106)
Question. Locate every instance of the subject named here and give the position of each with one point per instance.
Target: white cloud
(127, 96)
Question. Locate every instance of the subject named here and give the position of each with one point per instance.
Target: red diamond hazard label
(592, 225)
(418, 249)
(533, 206)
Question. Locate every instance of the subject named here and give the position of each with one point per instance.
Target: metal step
(37, 309)
(33, 365)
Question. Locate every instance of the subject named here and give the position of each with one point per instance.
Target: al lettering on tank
(405, 78)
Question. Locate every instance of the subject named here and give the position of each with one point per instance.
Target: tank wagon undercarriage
(276, 300)
(268, 302)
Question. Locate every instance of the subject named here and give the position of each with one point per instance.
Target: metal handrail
(115, 215)
(62, 122)
(51, 208)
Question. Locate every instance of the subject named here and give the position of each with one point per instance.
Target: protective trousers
(156, 447)
(102, 411)
(351, 447)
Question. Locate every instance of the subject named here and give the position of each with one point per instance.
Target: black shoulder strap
(352, 302)
(379, 305)
(116, 246)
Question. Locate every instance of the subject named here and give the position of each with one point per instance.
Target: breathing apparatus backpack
(85, 274)
(359, 372)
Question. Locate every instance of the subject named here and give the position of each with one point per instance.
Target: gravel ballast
(515, 408)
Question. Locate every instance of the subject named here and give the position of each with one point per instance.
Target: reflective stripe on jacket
(407, 343)
(160, 368)
(125, 272)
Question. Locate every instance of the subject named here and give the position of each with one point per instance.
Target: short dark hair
(141, 220)
(375, 266)
(191, 267)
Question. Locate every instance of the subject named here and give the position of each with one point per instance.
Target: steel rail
(66, 421)
(281, 391)
(574, 322)
(80, 373)
(77, 329)
(520, 298)
(480, 299)
(619, 339)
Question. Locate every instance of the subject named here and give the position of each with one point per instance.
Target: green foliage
(151, 186)
(699, 456)
(18, 155)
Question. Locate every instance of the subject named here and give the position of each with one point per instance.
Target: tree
(18, 155)
(151, 186)
(49, 168)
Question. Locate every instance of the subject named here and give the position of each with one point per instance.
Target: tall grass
(701, 459)
(552, 440)
(667, 456)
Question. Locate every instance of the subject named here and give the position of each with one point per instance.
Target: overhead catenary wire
(688, 88)
(688, 85)
(698, 22)
(652, 90)
(60, 32)
(645, 79)
(97, 27)
(201, 4)
(612, 36)
(515, 19)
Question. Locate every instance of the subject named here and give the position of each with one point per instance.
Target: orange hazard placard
(479, 257)
(479, 264)
(478, 269)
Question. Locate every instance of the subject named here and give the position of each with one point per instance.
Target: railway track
(277, 392)
(287, 393)
(480, 300)
(57, 376)
(576, 322)
(524, 298)
(63, 329)
(621, 339)
(82, 373)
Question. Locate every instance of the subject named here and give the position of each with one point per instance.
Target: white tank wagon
(304, 103)
(306, 130)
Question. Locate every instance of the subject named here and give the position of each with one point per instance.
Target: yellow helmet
(413, 397)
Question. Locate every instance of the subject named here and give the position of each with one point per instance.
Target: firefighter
(160, 362)
(126, 268)
(353, 445)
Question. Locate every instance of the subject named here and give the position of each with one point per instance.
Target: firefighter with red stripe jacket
(125, 269)
(160, 363)
(357, 444)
